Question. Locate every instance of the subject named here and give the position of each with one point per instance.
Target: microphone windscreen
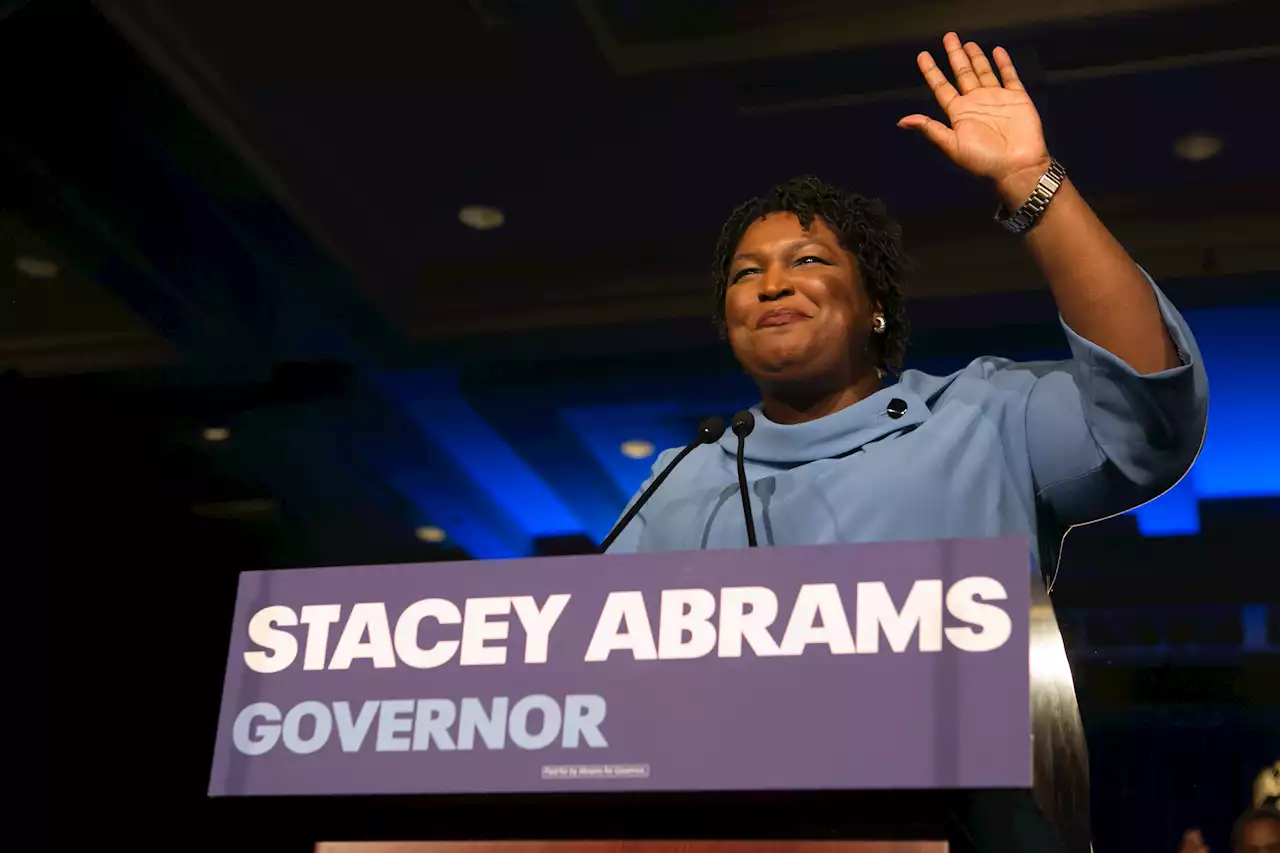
(710, 430)
(743, 423)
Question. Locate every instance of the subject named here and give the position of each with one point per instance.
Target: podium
(878, 698)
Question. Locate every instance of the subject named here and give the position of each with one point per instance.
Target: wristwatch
(1033, 208)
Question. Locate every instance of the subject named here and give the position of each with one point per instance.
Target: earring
(878, 324)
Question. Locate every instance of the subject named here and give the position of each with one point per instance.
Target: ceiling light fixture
(637, 448)
(1198, 146)
(33, 267)
(430, 533)
(216, 434)
(481, 217)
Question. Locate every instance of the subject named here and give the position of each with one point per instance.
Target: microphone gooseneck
(743, 423)
(709, 432)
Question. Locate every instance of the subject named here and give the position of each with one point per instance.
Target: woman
(808, 282)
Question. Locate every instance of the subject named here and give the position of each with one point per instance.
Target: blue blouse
(997, 448)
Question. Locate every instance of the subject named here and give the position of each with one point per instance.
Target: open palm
(994, 128)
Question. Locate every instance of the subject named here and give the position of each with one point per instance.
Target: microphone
(743, 423)
(709, 432)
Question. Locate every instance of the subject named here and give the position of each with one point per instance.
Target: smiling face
(795, 307)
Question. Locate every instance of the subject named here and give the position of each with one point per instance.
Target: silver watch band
(1032, 209)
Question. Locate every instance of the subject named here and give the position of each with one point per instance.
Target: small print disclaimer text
(595, 771)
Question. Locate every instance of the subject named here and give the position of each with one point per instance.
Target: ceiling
(613, 135)
(254, 213)
(57, 320)
(616, 135)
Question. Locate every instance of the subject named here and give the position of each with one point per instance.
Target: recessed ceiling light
(33, 267)
(637, 448)
(1198, 146)
(216, 434)
(430, 533)
(481, 218)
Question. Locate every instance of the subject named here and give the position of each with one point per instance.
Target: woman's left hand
(995, 130)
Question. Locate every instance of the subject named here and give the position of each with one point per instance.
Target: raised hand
(994, 130)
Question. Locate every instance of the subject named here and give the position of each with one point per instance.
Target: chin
(780, 357)
(797, 377)
(786, 357)
(775, 370)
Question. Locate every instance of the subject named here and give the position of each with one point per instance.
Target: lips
(780, 317)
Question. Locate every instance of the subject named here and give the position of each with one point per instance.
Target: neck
(797, 403)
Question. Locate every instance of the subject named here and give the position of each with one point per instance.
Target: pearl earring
(878, 324)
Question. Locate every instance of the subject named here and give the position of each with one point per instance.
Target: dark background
(253, 211)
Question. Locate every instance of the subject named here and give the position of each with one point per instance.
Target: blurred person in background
(1257, 830)
(1193, 842)
(1266, 788)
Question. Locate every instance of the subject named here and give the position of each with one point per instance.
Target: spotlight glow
(1198, 146)
(481, 217)
(637, 448)
(429, 533)
(33, 267)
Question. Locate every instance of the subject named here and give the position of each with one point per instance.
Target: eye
(742, 273)
(812, 258)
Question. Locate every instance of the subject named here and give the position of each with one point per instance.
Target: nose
(774, 286)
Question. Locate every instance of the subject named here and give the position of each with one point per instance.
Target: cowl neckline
(844, 431)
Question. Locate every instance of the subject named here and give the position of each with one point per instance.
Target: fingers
(981, 66)
(966, 79)
(1007, 72)
(972, 70)
(937, 132)
(943, 91)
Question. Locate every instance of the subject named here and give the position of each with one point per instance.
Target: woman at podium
(808, 293)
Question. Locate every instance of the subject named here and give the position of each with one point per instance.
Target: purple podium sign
(878, 666)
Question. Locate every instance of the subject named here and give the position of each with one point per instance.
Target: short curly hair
(865, 229)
